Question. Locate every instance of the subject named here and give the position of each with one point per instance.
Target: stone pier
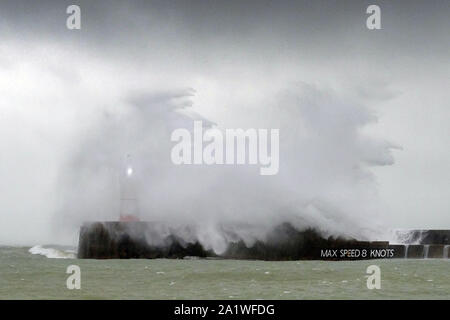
(150, 240)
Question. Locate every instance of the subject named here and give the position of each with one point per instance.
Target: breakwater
(147, 240)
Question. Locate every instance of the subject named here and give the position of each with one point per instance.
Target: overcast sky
(237, 55)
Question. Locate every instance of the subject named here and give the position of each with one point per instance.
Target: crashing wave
(53, 253)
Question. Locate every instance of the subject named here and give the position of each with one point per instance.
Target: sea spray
(212, 196)
(52, 253)
(426, 250)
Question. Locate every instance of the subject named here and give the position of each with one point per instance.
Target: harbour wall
(150, 240)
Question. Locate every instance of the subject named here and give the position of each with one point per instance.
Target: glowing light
(129, 171)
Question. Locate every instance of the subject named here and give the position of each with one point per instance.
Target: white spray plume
(324, 180)
(65, 140)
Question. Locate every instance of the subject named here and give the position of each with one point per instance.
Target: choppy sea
(40, 273)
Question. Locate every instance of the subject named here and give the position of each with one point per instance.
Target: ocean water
(40, 273)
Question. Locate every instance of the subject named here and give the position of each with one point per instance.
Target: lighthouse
(128, 197)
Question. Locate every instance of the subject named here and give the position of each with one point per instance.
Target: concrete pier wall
(415, 251)
(130, 240)
(399, 250)
(430, 236)
(147, 240)
(436, 251)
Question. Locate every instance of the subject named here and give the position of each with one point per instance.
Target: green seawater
(31, 276)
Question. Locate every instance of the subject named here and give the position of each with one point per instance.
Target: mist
(74, 105)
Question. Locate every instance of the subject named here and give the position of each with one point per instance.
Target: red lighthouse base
(128, 218)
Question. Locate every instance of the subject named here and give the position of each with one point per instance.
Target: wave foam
(52, 253)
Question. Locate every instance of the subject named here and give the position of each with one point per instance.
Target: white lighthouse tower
(128, 197)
